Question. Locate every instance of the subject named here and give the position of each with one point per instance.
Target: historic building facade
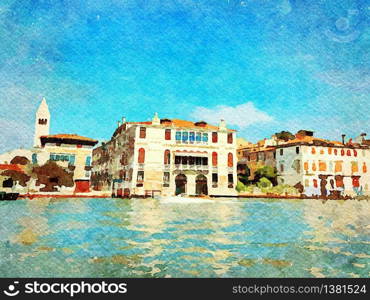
(315, 166)
(70, 151)
(167, 157)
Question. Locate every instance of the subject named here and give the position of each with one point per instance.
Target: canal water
(217, 238)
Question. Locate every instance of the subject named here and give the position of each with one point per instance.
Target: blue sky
(263, 65)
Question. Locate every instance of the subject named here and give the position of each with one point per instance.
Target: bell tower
(42, 122)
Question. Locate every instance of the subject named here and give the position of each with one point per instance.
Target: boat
(8, 196)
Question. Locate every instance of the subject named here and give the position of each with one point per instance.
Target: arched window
(214, 159)
(335, 151)
(354, 153)
(315, 183)
(313, 150)
(342, 152)
(348, 152)
(167, 157)
(230, 160)
(141, 158)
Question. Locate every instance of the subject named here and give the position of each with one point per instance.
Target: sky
(262, 65)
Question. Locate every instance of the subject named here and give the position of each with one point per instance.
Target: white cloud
(242, 115)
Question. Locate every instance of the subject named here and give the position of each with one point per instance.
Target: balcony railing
(191, 167)
(141, 167)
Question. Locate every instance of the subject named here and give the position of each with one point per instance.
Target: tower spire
(42, 122)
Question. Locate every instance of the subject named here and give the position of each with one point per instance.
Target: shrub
(264, 183)
(240, 187)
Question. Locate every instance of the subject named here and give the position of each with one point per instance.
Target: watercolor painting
(184, 138)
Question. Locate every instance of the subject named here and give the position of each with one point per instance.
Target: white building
(71, 151)
(167, 157)
(324, 167)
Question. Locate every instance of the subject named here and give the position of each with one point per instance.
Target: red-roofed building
(167, 156)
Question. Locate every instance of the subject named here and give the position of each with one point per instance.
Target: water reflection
(146, 237)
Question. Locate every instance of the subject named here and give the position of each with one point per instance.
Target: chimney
(343, 136)
(222, 125)
(156, 120)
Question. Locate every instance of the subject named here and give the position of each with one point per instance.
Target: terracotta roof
(11, 167)
(68, 137)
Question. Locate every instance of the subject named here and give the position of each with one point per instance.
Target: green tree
(285, 135)
(268, 172)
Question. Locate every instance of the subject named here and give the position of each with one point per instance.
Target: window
(306, 183)
(297, 150)
(88, 161)
(315, 183)
(230, 160)
(329, 150)
(177, 160)
(356, 181)
(185, 137)
(198, 161)
(339, 181)
(230, 180)
(72, 159)
(305, 166)
(274, 155)
(342, 152)
(205, 137)
(214, 159)
(198, 137)
(140, 178)
(184, 160)
(354, 166)
(321, 151)
(322, 165)
(364, 168)
(214, 137)
(167, 134)
(229, 138)
(141, 158)
(205, 161)
(281, 152)
(313, 150)
(354, 153)
(166, 179)
(281, 167)
(338, 166)
(335, 152)
(142, 132)
(191, 160)
(192, 137)
(313, 166)
(214, 178)
(348, 152)
(178, 136)
(34, 158)
(167, 157)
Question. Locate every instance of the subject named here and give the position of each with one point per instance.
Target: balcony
(191, 167)
(141, 167)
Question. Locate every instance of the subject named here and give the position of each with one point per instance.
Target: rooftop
(68, 139)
